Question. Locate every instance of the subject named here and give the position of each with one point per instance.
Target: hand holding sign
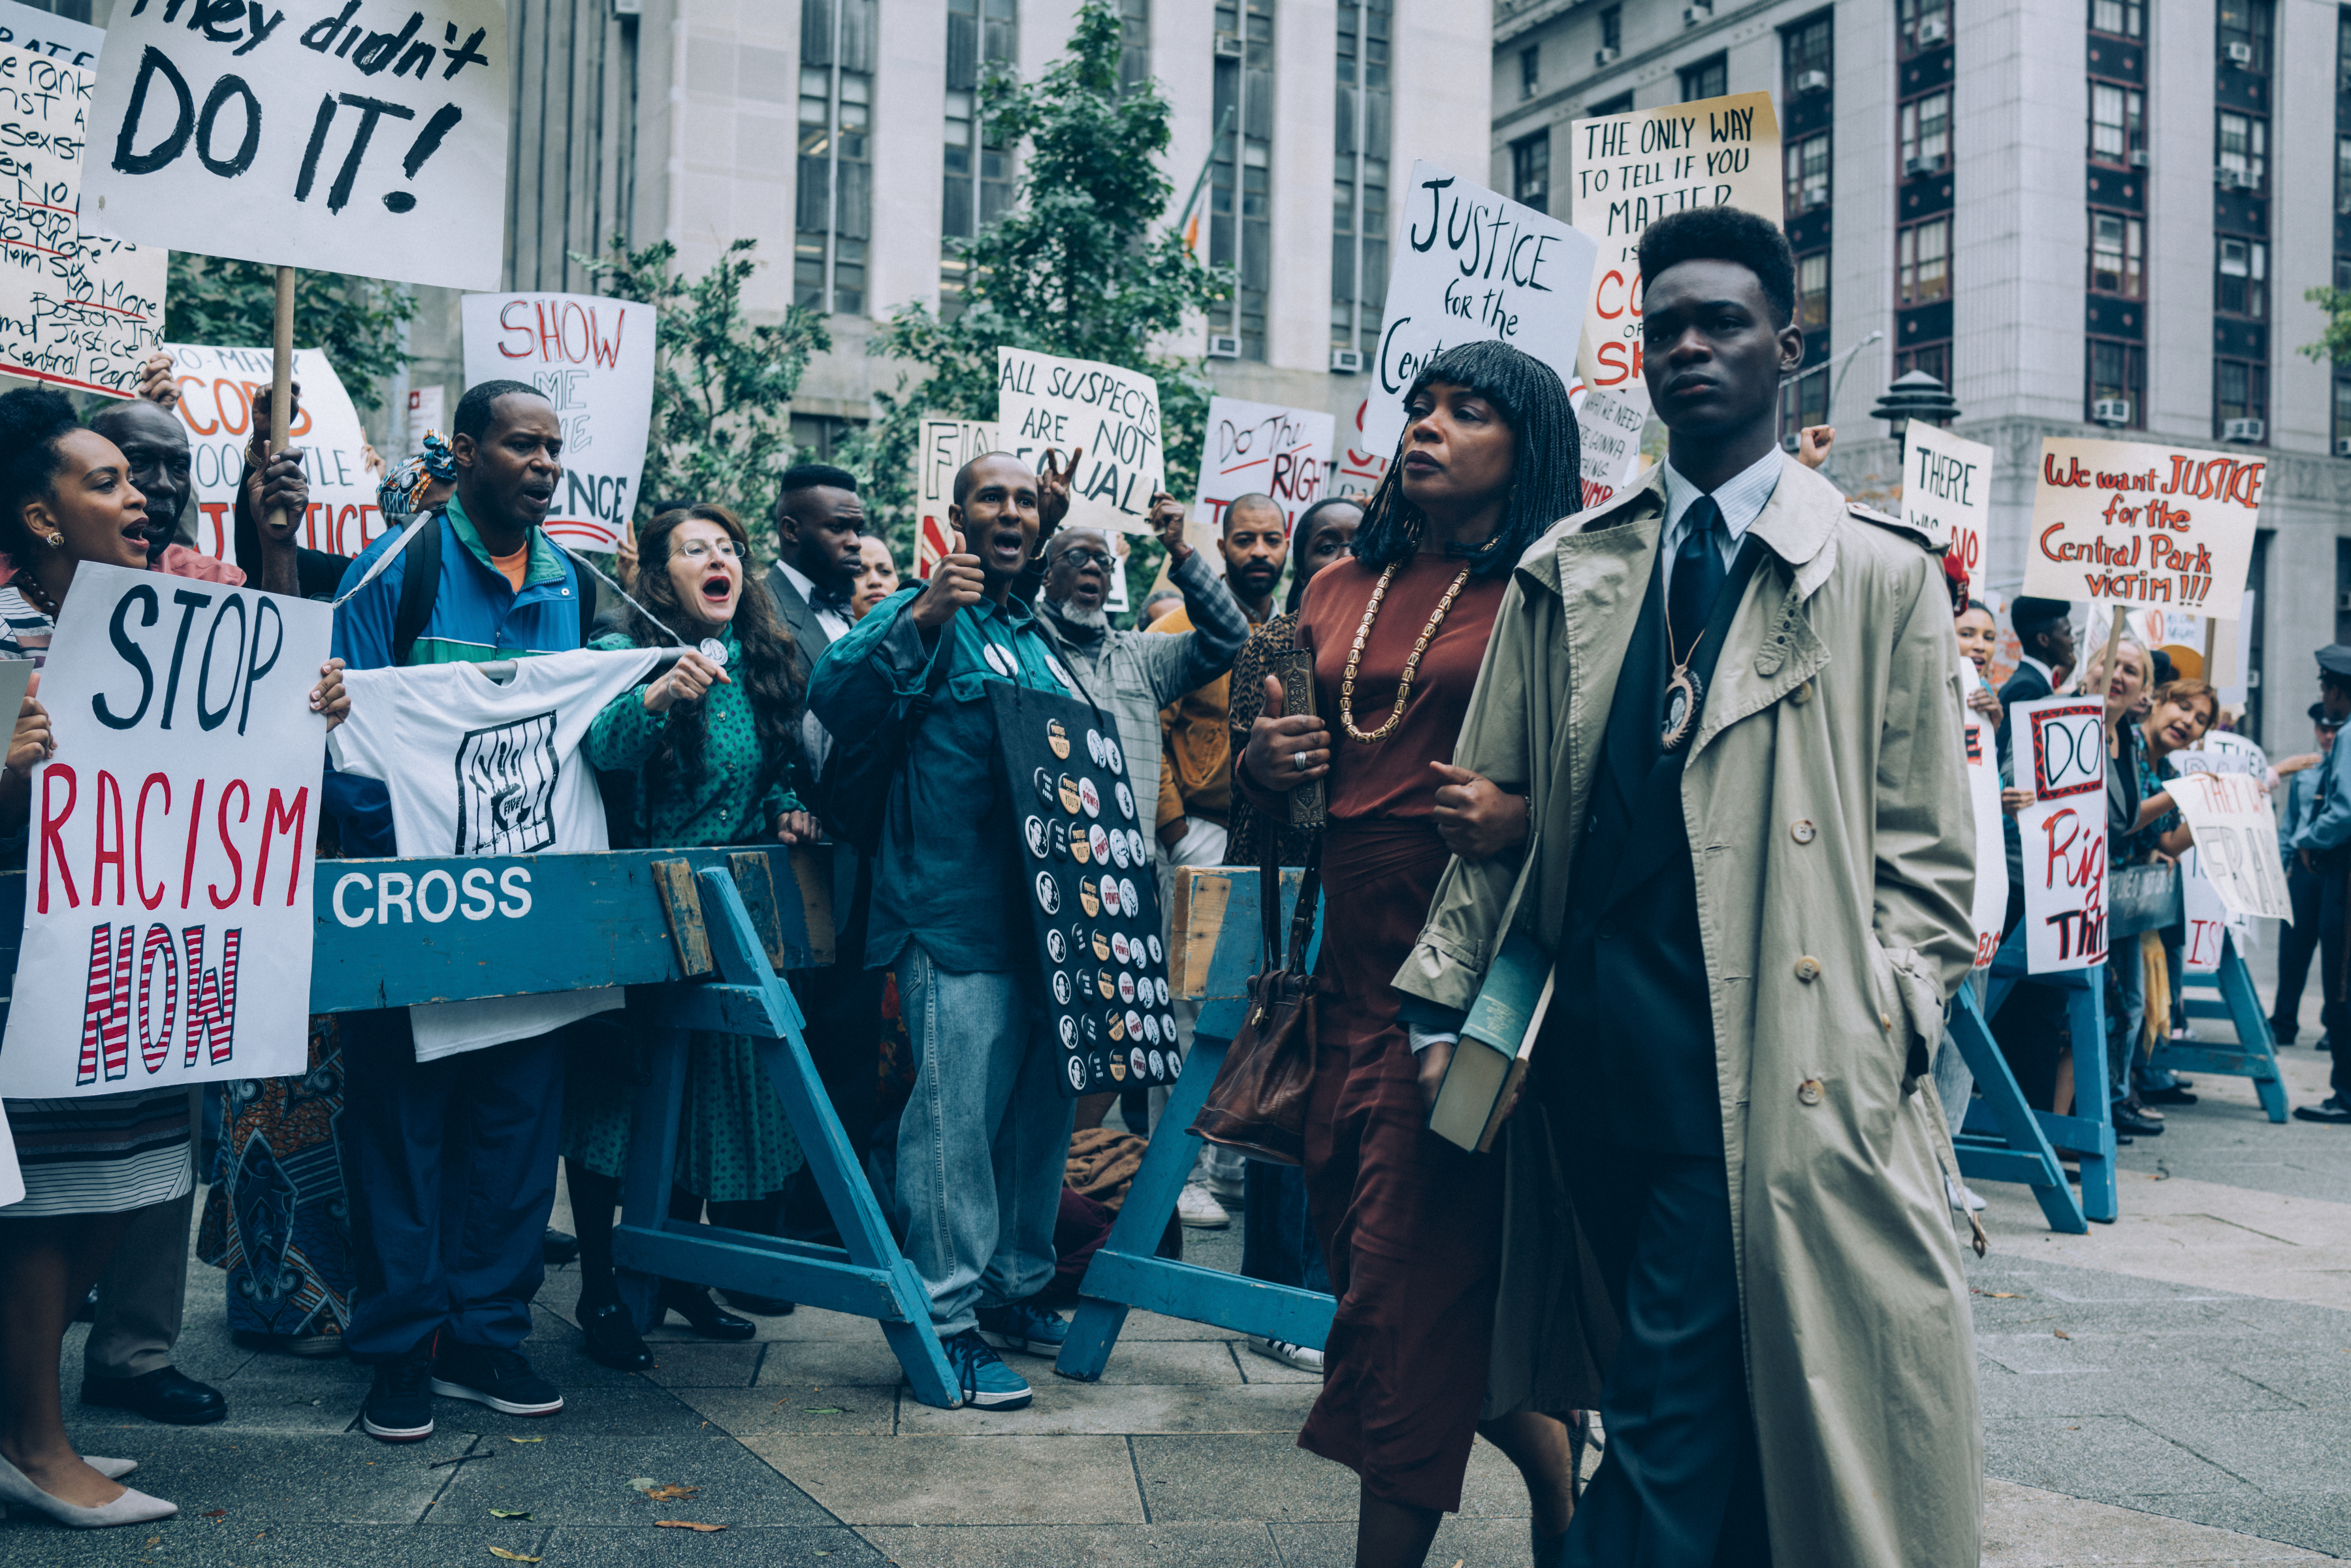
(1167, 522)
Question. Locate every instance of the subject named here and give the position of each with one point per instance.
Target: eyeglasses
(1086, 558)
(699, 549)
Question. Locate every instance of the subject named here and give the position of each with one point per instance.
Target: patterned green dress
(734, 1142)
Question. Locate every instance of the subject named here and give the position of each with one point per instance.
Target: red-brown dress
(1410, 1225)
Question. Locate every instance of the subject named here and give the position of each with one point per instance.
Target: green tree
(1079, 266)
(233, 304)
(2335, 344)
(722, 386)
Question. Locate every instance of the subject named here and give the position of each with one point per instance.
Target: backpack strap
(419, 585)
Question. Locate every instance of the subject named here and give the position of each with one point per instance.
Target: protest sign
(941, 446)
(1947, 495)
(2207, 923)
(1992, 845)
(76, 309)
(425, 417)
(2143, 523)
(1630, 170)
(1471, 265)
(59, 38)
(356, 141)
(593, 358)
(2236, 834)
(183, 721)
(2062, 761)
(1358, 473)
(1262, 449)
(219, 390)
(1043, 400)
(1609, 427)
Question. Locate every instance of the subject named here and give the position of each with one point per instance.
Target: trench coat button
(1801, 695)
(1808, 968)
(1809, 1091)
(1802, 830)
(1886, 1021)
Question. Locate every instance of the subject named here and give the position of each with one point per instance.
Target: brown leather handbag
(1257, 1104)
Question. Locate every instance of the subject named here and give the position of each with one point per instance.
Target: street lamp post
(1916, 395)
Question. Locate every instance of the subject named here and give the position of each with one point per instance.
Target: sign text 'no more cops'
(346, 136)
(168, 914)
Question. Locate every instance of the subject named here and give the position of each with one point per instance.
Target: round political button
(1062, 987)
(1048, 893)
(1118, 850)
(1077, 1065)
(1087, 899)
(1118, 944)
(1033, 830)
(1158, 1066)
(1095, 1062)
(1126, 987)
(1101, 945)
(1134, 1061)
(1127, 899)
(1056, 735)
(1058, 841)
(1082, 849)
(1151, 1027)
(1065, 789)
(1093, 746)
(1117, 1026)
(1126, 799)
(1090, 796)
(1077, 938)
(1099, 841)
(1118, 1070)
(1137, 847)
(1110, 896)
(1112, 760)
(1134, 1024)
(712, 649)
(1153, 941)
(1160, 982)
(999, 660)
(1093, 1029)
(1043, 781)
(1068, 1032)
(1108, 985)
(1057, 946)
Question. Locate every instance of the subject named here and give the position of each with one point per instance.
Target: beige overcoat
(1828, 814)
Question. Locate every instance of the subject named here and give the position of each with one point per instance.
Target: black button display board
(1085, 859)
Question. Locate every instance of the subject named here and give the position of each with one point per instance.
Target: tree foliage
(233, 304)
(722, 386)
(1072, 268)
(2335, 344)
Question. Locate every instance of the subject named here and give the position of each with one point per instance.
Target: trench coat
(1833, 846)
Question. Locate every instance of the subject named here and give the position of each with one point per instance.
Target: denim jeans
(984, 1144)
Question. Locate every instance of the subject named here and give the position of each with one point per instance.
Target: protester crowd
(1520, 727)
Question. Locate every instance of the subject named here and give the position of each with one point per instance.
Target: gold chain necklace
(1410, 665)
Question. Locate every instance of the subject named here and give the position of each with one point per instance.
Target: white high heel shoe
(112, 1470)
(130, 1508)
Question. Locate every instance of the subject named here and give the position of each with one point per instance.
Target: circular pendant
(1683, 696)
(715, 651)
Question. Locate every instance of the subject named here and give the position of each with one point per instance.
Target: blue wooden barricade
(1127, 1272)
(2005, 1140)
(2001, 1139)
(2255, 1056)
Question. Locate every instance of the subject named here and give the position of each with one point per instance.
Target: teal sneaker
(986, 1383)
(1023, 1326)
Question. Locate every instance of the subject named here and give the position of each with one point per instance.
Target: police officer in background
(2323, 847)
(2299, 944)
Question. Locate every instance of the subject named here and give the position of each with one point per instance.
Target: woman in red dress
(1410, 1224)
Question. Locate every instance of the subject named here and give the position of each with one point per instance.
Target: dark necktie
(1698, 577)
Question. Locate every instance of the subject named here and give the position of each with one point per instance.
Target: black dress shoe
(165, 1395)
(2331, 1110)
(558, 1247)
(2175, 1095)
(612, 1340)
(2128, 1120)
(759, 1306)
(704, 1316)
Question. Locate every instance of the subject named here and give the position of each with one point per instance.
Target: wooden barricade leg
(2256, 1054)
(1127, 1272)
(2090, 1137)
(2002, 1140)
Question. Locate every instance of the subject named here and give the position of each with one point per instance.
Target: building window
(1531, 170)
(2343, 168)
(2244, 148)
(1620, 104)
(2117, 374)
(2117, 254)
(1805, 48)
(1134, 44)
(2241, 390)
(2124, 18)
(1922, 24)
(1922, 262)
(2245, 35)
(833, 206)
(2241, 276)
(1935, 358)
(1813, 292)
(2117, 122)
(1530, 72)
(1804, 402)
(1612, 28)
(1708, 78)
(1808, 175)
(1240, 194)
(983, 36)
(1925, 133)
(2341, 446)
(1359, 186)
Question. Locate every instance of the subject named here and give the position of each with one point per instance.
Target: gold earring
(56, 541)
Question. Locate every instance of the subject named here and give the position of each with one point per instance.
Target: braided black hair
(1546, 464)
(32, 420)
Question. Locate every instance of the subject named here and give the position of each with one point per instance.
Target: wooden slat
(812, 870)
(756, 885)
(1195, 921)
(681, 904)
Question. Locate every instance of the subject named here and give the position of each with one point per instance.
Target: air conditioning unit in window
(2244, 429)
(2235, 179)
(1813, 82)
(1934, 30)
(2241, 56)
(1692, 16)
(1223, 346)
(1913, 166)
(1228, 47)
(1346, 363)
(628, 7)
(2110, 411)
(2138, 157)
(1602, 58)
(1791, 442)
(2343, 449)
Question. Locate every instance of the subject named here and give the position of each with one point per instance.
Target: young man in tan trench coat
(1732, 703)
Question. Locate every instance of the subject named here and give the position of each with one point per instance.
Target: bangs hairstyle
(1546, 462)
(770, 675)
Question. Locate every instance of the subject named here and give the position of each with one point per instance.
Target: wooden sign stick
(281, 379)
(2106, 659)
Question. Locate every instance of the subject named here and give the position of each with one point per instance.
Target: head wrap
(405, 482)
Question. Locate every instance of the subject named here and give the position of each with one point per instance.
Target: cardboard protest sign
(593, 358)
(1632, 169)
(1991, 848)
(2208, 923)
(1609, 428)
(76, 309)
(1947, 495)
(184, 725)
(1471, 265)
(1358, 473)
(2237, 835)
(425, 416)
(219, 390)
(59, 38)
(1262, 448)
(356, 141)
(941, 446)
(2140, 522)
(1043, 400)
(1093, 894)
(2063, 760)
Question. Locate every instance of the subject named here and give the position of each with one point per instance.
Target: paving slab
(2025, 1527)
(1267, 1476)
(834, 1409)
(274, 1479)
(929, 1480)
(1056, 1545)
(586, 1481)
(1063, 1405)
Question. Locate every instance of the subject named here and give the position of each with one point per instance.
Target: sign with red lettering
(1358, 473)
(2236, 839)
(1992, 850)
(1947, 495)
(593, 358)
(2064, 763)
(183, 728)
(1609, 425)
(1262, 449)
(2140, 522)
(941, 446)
(2206, 923)
(219, 390)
